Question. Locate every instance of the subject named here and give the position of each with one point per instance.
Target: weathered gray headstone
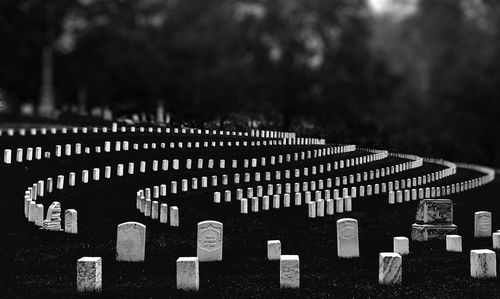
(390, 268)
(434, 220)
(89, 274)
(435, 211)
(483, 263)
(163, 213)
(53, 219)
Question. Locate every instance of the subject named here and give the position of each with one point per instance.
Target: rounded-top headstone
(131, 242)
(482, 224)
(209, 241)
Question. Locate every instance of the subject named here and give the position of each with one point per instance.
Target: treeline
(428, 81)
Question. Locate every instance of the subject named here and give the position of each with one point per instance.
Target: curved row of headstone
(123, 145)
(343, 202)
(284, 137)
(25, 132)
(38, 188)
(146, 204)
(407, 193)
(37, 152)
(28, 154)
(320, 201)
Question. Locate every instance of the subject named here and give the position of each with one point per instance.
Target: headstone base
(426, 232)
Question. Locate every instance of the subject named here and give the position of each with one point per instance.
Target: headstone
(7, 156)
(482, 224)
(483, 263)
(453, 243)
(39, 215)
(154, 210)
(53, 219)
(31, 211)
(255, 204)
(496, 240)
(188, 276)
(390, 268)
(70, 221)
(434, 220)
(347, 238)
(435, 211)
(174, 216)
(89, 274)
(131, 242)
(273, 250)
(401, 245)
(209, 243)
(289, 272)
(163, 213)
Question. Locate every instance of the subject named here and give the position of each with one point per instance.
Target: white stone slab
(483, 263)
(188, 275)
(209, 241)
(453, 243)
(347, 238)
(289, 272)
(401, 245)
(131, 242)
(482, 224)
(390, 268)
(273, 250)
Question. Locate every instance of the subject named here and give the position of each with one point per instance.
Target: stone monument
(53, 220)
(434, 220)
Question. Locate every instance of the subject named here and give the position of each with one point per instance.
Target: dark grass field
(42, 264)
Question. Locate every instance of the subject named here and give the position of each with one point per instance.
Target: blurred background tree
(416, 75)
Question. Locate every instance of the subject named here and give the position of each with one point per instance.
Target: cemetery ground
(42, 263)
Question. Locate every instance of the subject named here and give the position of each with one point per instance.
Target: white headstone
(453, 243)
(53, 219)
(347, 238)
(401, 245)
(131, 242)
(289, 272)
(273, 250)
(209, 240)
(482, 224)
(188, 276)
(174, 216)
(496, 240)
